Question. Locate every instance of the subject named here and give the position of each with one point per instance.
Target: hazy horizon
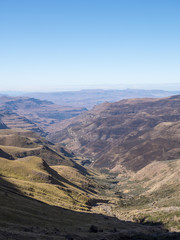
(164, 87)
(174, 89)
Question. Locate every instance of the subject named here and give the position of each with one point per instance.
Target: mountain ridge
(113, 133)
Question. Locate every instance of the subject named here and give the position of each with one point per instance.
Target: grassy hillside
(36, 179)
(26, 164)
(46, 194)
(150, 195)
(38, 201)
(18, 143)
(24, 217)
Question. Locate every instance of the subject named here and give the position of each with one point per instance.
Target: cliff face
(130, 132)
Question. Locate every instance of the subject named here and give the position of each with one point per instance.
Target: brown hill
(132, 132)
(17, 143)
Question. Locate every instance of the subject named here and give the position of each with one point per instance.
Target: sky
(54, 45)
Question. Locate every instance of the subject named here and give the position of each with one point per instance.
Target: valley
(108, 173)
(132, 133)
(149, 196)
(90, 120)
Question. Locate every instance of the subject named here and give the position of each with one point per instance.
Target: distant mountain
(132, 133)
(33, 114)
(90, 98)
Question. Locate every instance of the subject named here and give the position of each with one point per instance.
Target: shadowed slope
(21, 143)
(35, 178)
(2, 125)
(28, 167)
(26, 218)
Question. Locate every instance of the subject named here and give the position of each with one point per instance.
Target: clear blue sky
(50, 45)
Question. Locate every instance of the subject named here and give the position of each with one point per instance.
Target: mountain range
(88, 98)
(130, 190)
(33, 114)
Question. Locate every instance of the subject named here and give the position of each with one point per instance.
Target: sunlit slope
(25, 160)
(153, 193)
(21, 143)
(23, 217)
(76, 176)
(32, 194)
(133, 132)
(35, 178)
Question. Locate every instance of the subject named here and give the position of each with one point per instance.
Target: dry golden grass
(72, 174)
(13, 150)
(152, 194)
(23, 217)
(34, 178)
(159, 174)
(67, 185)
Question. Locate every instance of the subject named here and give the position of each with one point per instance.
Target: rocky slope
(132, 133)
